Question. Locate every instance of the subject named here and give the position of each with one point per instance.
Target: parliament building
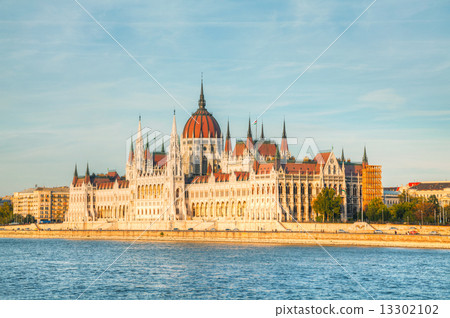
(202, 177)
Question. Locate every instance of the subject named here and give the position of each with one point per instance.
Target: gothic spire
(249, 131)
(342, 155)
(87, 177)
(139, 128)
(228, 140)
(277, 159)
(174, 124)
(249, 143)
(162, 147)
(75, 176)
(262, 131)
(365, 160)
(284, 149)
(131, 154)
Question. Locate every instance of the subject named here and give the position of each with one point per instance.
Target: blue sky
(69, 94)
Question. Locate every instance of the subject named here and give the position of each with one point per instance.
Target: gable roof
(267, 149)
(423, 186)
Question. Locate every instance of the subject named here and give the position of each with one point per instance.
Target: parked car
(190, 229)
(213, 229)
(434, 233)
(378, 232)
(393, 228)
(342, 231)
(412, 228)
(227, 230)
(236, 229)
(412, 233)
(175, 229)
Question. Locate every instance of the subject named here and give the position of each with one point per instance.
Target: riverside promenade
(289, 236)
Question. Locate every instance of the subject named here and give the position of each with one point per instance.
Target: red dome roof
(202, 123)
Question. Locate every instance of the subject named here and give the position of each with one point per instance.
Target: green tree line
(413, 210)
(7, 216)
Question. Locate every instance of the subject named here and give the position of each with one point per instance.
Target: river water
(64, 269)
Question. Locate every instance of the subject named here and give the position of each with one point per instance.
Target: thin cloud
(382, 99)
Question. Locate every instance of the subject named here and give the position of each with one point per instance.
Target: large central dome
(202, 123)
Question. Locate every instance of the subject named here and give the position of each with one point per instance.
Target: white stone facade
(202, 178)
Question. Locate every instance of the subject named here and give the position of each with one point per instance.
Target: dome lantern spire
(201, 101)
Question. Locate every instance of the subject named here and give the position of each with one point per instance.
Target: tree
(6, 213)
(401, 211)
(424, 212)
(446, 214)
(435, 203)
(405, 197)
(327, 205)
(377, 210)
(29, 219)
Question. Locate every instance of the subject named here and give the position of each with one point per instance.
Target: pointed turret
(277, 159)
(131, 153)
(364, 159)
(87, 176)
(148, 158)
(249, 143)
(342, 156)
(174, 163)
(174, 125)
(262, 131)
(139, 127)
(228, 139)
(284, 149)
(146, 150)
(75, 176)
(139, 154)
(249, 131)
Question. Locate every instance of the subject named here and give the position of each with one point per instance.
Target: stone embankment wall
(200, 225)
(264, 237)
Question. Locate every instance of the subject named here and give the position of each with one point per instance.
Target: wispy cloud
(382, 99)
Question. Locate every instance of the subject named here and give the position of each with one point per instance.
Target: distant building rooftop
(439, 185)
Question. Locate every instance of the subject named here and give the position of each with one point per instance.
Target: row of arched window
(219, 209)
(108, 212)
(149, 191)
